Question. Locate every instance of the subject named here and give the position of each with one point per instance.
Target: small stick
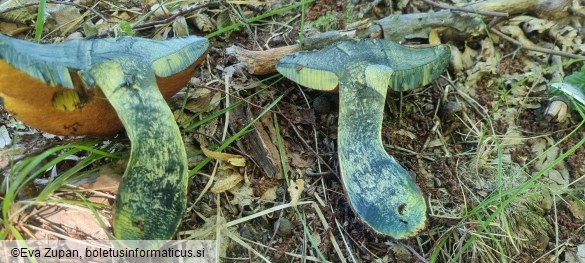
(536, 48)
(261, 62)
(175, 15)
(57, 3)
(466, 10)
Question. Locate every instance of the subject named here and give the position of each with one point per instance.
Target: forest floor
(496, 153)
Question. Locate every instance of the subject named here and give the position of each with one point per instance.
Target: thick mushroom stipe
(380, 191)
(152, 196)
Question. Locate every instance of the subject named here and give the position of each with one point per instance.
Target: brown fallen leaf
(77, 222)
(108, 182)
(577, 210)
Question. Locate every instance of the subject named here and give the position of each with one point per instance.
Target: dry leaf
(4, 158)
(239, 162)
(299, 161)
(233, 159)
(295, 190)
(242, 195)
(7, 155)
(203, 22)
(63, 18)
(159, 10)
(76, 222)
(577, 210)
(207, 129)
(531, 24)
(7, 28)
(180, 26)
(225, 183)
(105, 182)
(21, 15)
(406, 133)
(201, 101)
(436, 143)
(269, 194)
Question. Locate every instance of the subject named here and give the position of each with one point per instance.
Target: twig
(466, 10)
(191, 8)
(175, 15)
(97, 13)
(536, 48)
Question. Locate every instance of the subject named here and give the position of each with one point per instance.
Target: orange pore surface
(30, 101)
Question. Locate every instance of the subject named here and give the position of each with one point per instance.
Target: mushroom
(40, 85)
(380, 191)
(94, 87)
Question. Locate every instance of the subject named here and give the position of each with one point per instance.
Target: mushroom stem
(379, 189)
(148, 206)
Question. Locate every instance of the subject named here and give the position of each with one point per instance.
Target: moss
(326, 23)
(350, 15)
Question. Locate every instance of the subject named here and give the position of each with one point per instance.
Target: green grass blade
(257, 18)
(40, 23)
(282, 154)
(236, 136)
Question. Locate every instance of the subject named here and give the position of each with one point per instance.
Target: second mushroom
(380, 191)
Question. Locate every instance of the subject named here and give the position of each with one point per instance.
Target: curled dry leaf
(7, 155)
(565, 35)
(295, 190)
(233, 159)
(203, 22)
(557, 110)
(531, 24)
(11, 29)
